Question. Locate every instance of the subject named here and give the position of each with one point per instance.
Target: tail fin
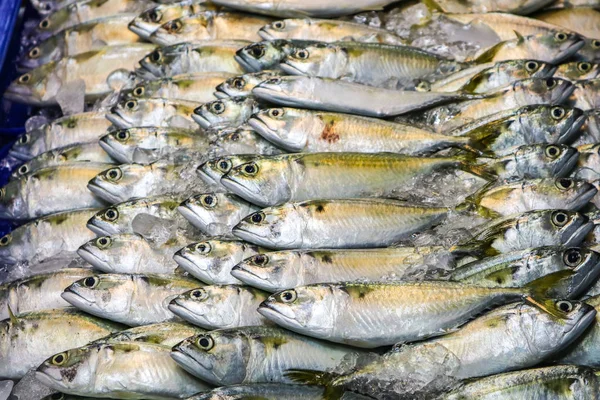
(318, 378)
(471, 203)
(482, 137)
(541, 288)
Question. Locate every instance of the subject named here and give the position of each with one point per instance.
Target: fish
(537, 335)
(210, 25)
(28, 339)
(585, 351)
(514, 7)
(100, 70)
(256, 354)
(164, 334)
(148, 144)
(242, 140)
(131, 299)
(522, 93)
(274, 180)
(124, 217)
(192, 57)
(216, 214)
(159, 112)
(212, 170)
(578, 70)
(296, 8)
(225, 113)
(368, 64)
(69, 130)
(297, 130)
(375, 314)
(581, 20)
(586, 95)
(589, 132)
(48, 191)
(280, 270)
(575, 268)
(589, 52)
(131, 254)
(327, 30)
(80, 38)
(69, 155)
(152, 18)
(266, 391)
(358, 223)
(39, 292)
(348, 97)
(527, 230)
(211, 261)
(220, 307)
(503, 132)
(195, 87)
(574, 381)
(588, 165)
(45, 237)
(47, 6)
(268, 54)
(242, 85)
(134, 370)
(134, 181)
(535, 194)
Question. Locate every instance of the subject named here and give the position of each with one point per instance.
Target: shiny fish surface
(215, 168)
(242, 140)
(585, 352)
(242, 85)
(266, 391)
(586, 95)
(267, 55)
(578, 70)
(165, 334)
(229, 112)
(336, 224)
(581, 20)
(512, 6)
(297, 8)
(588, 165)
(165, 113)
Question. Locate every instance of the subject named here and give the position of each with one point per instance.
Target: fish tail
(483, 137)
(471, 203)
(470, 164)
(333, 391)
(538, 291)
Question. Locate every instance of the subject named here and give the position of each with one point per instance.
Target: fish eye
(564, 183)
(423, 86)
(25, 78)
(90, 282)
(208, 201)
(131, 104)
(552, 151)
(260, 259)
(273, 81)
(111, 214)
(234, 137)
(302, 54)
(103, 242)
(138, 91)
(23, 169)
(250, 169)
(59, 359)
(217, 107)
(560, 36)
(288, 296)
(573, 257)
(57, 396)
(595, 43)
(122, 135)
(257, 51)
(205, 342)
(584, 66)
(34, 53)
(564, 306)
(6, 239)
(238, 83)
(532, 66)
(257, 217)
(203, 248)
(198, 294)
(174, 26)
(559, 218)
(275, 112)
(24, 139)
(155, 56)
(224, 165)
(558, 113)
(278, 25)
(44, 24)
(551, 83)
(155, 16)
(114, 174)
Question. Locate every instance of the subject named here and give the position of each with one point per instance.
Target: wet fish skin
(131, 299)
(211, 261)
(588, 165)
(216, 214)
(585, 351)
(28, 339)
(586, 95)
(589, 52)
(164, 334)
(225, 113)
(154, 373)
(220, 307)
(267, 55)
(295, 8)
(266, 391)
(275, 271)
(212, 170)
(231, 356)
(242, 140)
(578, 70)
(160, 112)
(355, 223)
(513, 7)
(242, 85)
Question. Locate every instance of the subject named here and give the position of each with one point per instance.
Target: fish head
(283, 29)
(70, 370)
(148, 89)
(106, 295)
(36, 86)
(289, 128)
(585, 265)
(214, 213)
(212, 170)
(578, 70)
(271, 271)
(219, 357)
(123, 183)
(148, 21)
(275, 227)
(573, 194)
(590, 51)
(242, 85)
(210, 307)
(9, 246)
(28, 145)
(240, 140)
(263, 181)
(13, 203)
(121, 144)
(42, 53)
(319, 59)
(558, 124)
(156, 61)
(543, 91)
(286, 88)
(135, 112)
(107, 222)
(560, 45)
(546, 160)
(589, 160)
(223, 113)
(305, 307)
(107, 253)
(525, 69)
(209, 259)
(179, 30)
(571, 227)
(262, 55)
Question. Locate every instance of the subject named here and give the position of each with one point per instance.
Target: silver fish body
(160, 112)
(242, 85)
(225, 113)
(198, 87)
(242, 140)
(266, 391)
(296, 8)
(585, 351)
(164, 334)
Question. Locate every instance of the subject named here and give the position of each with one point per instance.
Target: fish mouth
(573, 128)
(201, 120)
(570, 50)
(115, 152)
(188, 264)
(117, 120)
(96, 187)
(584, 198)
(579, 234)
(192, 365)
(97, 229)
(252, 194)
(138, 28)
(220, 92)
(196, 219)
(568, 165)
(246, 275)
(263, 33)
(245, 64)
(186, 314)
(283, 316)
(93, 259)
(580, 325)
(20, 94)
(565, 94)
(19, 155)
(291, 69)
(205, 176)
(48, 380)
(75, 299)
